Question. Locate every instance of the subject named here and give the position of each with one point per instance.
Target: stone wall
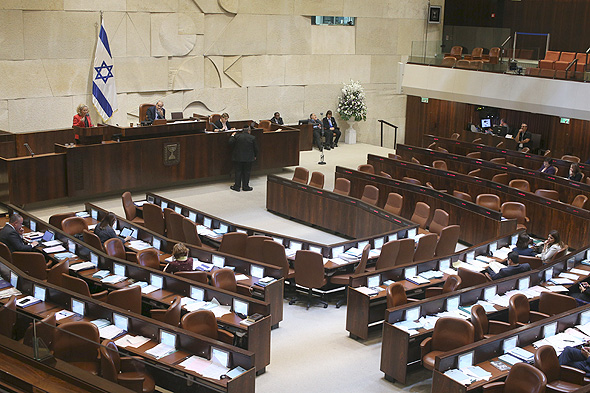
(249, 58)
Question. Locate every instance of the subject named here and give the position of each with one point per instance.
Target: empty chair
(309, 273)
(515, 210)
(501, 178)
(426, 247)
(570, 158)
(545, 73)
(77, 343)
(189, 228)
(550, 58)
(415, 161)
(489, 201)
(581, 64)
(421, 214)
(455, 135)
(149, 258)
(396, 295)
(385, 174)
(234, 243)
(317, 179)
(92, 240)
(254, 247)
(405, 254)
(55, 273)
(127, 298)
(370, 194)
(485, 328)
(534, 262)
(115, 248)
(8, 318)
(411, 180)
(394, 203)
(559, 378)
(367, 168)
(32, 263)
(439, 221)
(520, 184)
(498, 160)
(462, 195)
(456, 52)
(442, 149)
(522, 378)
(56, 219)
(476, 140)
(204, 322)
(154, 218)
(474, 154)
(439, 164)
(74, 225)
(42, 331)
(171, 315)
(551, 303)
(5, 252)
(452, 283)
(580, 201)
(344, 278)
(432, 146)
(225, 279)
(125, 371)
(519, 311)
(564, 60)
(80, 286)
(301, 175)
(196, 275)
(551, 194)
(447, 240)
(394, 156)
(500, 144)
(449, 333)
(463, 64)
(342, 186)
(474, 173)
(265, 125)
(130, 209)
(448, 61)
(470, 278)
(273, 253)
(388, 255)
(476, 54)
(174, 225)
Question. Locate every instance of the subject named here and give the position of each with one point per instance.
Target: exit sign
(424, 100)
(564, 120)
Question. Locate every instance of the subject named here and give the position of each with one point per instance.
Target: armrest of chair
(225, 336)
(537, 316)
(494, 387)
(412, 300)
(497, 327)
(526, 219)
(131, 364)
(100, 296)
(133, 382)
(425, 346)
(433, 291)
(158, 314)
(521, 324)
(572, 375)
(131, 256)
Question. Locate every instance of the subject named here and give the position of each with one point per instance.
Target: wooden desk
(489, 139)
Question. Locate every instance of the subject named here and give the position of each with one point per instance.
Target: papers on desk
(145, 287)
(64, 255)
(160, 351)
(9, 292)
(206, 267)
(580, 272)
(538, 289)
(82, 266)
(4, 284)
(488, 307)
(459, 376)
(584, 329)
(131, 341)
(290, 253)
(574, 332)
(51, 250)
(431, 274)
(27, 301)
(477, 372)
(101, 274)
(522, 354)
(368, 291)
(235, 372)
(456, 313)
(374, 253)
(485, 259)
(499, 300)
(139, 245)
(51, 243)
(570, 276)
(500, 365)
(240, 277)
(409, 327)
(337, 261)
(195, 363)
(114, 279)
(110, 332)
(559, 342)
(204, 231)
(509, 359)
(561, 281)
(63, 314)
(450, 271)
(32, 236)
(502, 253)
(91, 227)
(496, 266)
(417, 280)
(83, 214)
(139, 203)
(557, 288)
(213, 306)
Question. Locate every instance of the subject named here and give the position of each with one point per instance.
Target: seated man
(513, 268)
(577, 358)
(277, 119)
(329, 123)
(12, 235)
(318, 131)
(156, 112)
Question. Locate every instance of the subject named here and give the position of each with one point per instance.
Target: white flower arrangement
(351, 104)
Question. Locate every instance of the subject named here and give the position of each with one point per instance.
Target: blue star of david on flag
(104, 66)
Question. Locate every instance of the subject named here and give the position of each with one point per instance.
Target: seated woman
(181, 262)
(522, 245)
(223, 124)
(575, 173)
(551, 246)
(547, 167)
(104, 230)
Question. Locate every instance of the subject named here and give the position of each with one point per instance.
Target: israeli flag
(104, 91)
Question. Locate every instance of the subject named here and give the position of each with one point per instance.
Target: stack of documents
(145, 287)
(522, 354)
(82, 266)
(369, 291)
(477, 372)
(580, 272)
(509, 359)
(559, 342)
(374, 253)
(417, 280)
(160, 351)
(502, 253)
(51, 243)
(131, 341)
(431, 274)
(54, 249)
(64, 255)
(6, 293)
(207, 232)
(409, 326)
(63, 314)
(352, 254)
(113, 279)
(338, 261)
(561, 281)
(101, 274)
(204, 266)
(460, 376)
(27, 301)
(32, 236)
(83, 214)
(139, 245)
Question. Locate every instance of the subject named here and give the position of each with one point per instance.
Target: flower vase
(350, 133)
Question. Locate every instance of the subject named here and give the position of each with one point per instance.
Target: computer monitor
(486, 123)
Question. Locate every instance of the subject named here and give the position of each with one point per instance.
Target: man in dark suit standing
(156, 112)
(245, 151)
(11, 235)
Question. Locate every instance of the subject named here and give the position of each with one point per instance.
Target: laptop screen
(48, 236)
(486, 123)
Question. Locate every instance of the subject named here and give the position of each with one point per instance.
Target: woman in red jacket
(81, 119)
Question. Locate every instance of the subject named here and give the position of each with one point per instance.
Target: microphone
(30, 150)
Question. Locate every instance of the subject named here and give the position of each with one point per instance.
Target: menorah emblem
(171, 153)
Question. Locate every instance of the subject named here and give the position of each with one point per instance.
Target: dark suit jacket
(327, 125)
(12, 239)
(316, 124)
(219, 125)
(151, 113)
(279, 121)
(245, 147)
(509, 271)
(105, 233)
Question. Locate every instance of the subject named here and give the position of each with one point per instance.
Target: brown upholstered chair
(571, 158)
(474, 154)
(396, 295)
(127, 298)
(56, 219)
(5, 252)
(456, 52)
(520, 184)
(394, 156)
(32, 263)
(411, 180)
(234, 243)
(265, 125)
(581, 64)
(342, 186)
(149, 258)
(476, 140)
(196, 275)
(385, 174)
(154, 218)
(130, 209)
(551, 194)
(534, 262)
(191, 236)
(439, 164)
(367, 168)
(489, 201)
(519, 311)
(501, 178)
(494, 55)
(254, 247)
(476, 54)
(421, 214)
(462, 195)
(54, 274)
(452, 283)
(551, 303)
(92, 240)
(579, 201)
(448, 61)
(447, 241)
(388, 255)
(224, 279)
(204, 322)
(449, 333)
(549, 61)
(143, 111)
(439, 221)
(114, 247)
(301, 175)
(515, 210)
(522, 378)
(344, 278)
(500, 144)
(564, 60)
(273, 253)
(43, 331)
(415, 160)
(174, 226)
(171, 316)
(432, 146)
(498, 160)
(125, 371)
(474, 173)
(463, 64)
(77, 343)
(470, 278)
(559, 378)
(309, 273)
(370, 194)
(442, 149)
(317, 179)
(425, 248)
(8, 318)
(80, 286)
(485, 328)
(213, 118)
(455, 136)
(394, 203)
(74, 225)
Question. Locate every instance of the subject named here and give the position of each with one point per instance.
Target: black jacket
(327, 125)
(151, 113)
(509, 271)
(13, 240)
(245, 147)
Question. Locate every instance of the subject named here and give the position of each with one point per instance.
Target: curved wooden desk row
(567, 189)
(488, 350)
(256, 336)
(363, 311)
(397, 341)
(478, 224)
(166, 370)
(332, 212)
(525, 160)
(488, 139)
(545, 214)
(272, 293)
